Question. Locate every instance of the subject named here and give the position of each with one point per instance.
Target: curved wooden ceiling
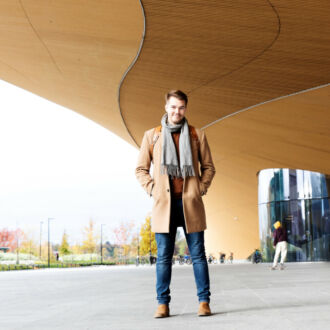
(71, 52)
(226, 55)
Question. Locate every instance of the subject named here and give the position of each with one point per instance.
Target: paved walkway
(244, 296)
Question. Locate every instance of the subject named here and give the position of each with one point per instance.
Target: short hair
(177, 94)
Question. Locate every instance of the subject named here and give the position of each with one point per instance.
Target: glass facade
(300, 200)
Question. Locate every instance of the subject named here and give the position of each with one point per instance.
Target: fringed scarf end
(176, 172)
(188, 170)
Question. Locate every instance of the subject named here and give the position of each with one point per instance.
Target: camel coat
(158, 185)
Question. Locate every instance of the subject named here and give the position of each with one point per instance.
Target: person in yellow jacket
(182, 173)
(280, 244)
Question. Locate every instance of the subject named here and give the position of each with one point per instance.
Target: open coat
(158, 185)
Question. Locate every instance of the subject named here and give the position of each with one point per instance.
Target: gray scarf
(169, 161)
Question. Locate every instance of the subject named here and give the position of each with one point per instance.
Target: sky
(55, 163)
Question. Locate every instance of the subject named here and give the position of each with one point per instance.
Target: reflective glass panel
(293, 188)
(325, 183)
(299, 200)
(300, 184)
(266, 181)
(316, 184)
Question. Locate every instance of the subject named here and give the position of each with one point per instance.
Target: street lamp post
(102, 242)
(40, 239)
(49, 241)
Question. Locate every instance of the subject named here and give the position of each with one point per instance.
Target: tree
(76, 249)
(181, 247)
(146, 235)
(8, 239)
(123, 233)
(135, 244)
(28, 244)
(123, 236)
(89, 244)
(64, 247)
(20, 238)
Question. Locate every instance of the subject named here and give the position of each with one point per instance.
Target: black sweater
(280, 235)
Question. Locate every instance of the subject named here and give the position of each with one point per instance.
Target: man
(280, 244)
(177, 186)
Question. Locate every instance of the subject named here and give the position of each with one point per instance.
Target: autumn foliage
(129, 241)
(11, 238)
(148, 241)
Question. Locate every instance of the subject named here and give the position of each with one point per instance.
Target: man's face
(175, 109)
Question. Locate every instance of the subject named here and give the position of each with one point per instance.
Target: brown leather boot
(204, 309)
(162, 311)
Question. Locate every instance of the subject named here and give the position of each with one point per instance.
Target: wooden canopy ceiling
(226, 55)
(74, 53)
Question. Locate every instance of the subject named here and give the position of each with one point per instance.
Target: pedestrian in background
(231, 257)
(280, 244)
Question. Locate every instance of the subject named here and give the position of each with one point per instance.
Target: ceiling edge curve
(129, 69)
(253, 107)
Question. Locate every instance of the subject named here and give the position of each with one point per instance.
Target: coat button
(168, 190)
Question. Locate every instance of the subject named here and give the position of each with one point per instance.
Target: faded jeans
(165, 250)
(281, 248)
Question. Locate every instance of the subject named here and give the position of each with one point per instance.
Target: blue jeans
(165, 250)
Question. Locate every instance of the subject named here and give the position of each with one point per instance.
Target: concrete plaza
(244, 296)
